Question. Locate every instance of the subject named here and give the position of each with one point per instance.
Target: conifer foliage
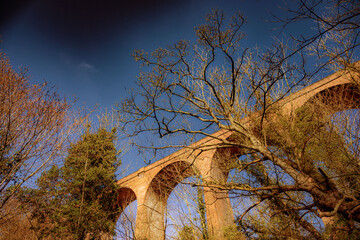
(78, 200)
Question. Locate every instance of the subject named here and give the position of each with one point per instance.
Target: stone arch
(125, 222)
(151, 210)
(339, 97)
(329, 84)
(125, 197)
(168, 177)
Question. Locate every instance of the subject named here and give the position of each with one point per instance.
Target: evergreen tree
(78, 200)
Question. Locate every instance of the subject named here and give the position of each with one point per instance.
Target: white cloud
(80, 66)
(86, 67)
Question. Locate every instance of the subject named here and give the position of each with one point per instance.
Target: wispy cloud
(86, 67)
(80, 66)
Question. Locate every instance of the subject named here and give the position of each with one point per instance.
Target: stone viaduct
(151, 185)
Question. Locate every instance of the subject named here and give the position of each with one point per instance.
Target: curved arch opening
(186, 212)
(125, 225)
(168, 177)
(338, 98)
(125, 197)
(185, 216)
(163, 185)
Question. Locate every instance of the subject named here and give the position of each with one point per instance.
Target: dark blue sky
(84, 48)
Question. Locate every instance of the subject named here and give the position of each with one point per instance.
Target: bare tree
(301, 164)
(334, 40)
(34, 125)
